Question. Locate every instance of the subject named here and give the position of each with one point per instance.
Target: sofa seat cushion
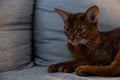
(40, 73)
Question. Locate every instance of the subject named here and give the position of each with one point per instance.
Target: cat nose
(71, 38)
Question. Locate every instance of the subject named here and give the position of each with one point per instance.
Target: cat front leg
(94, 70)
(66, 67)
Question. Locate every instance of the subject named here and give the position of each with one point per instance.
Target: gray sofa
(31, 36)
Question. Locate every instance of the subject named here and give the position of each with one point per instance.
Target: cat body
(94, 52)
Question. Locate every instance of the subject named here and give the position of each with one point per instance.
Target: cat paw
(60, 68)
(53, 68)
(82, 70)
(66, 69)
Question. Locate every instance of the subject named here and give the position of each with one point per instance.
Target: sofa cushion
(15, 34)
(50, 41)
(40, 73)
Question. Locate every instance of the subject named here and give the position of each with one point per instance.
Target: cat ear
(92, 14)
(63, 14)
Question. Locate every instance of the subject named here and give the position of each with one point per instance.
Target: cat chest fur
(100, 56)
(106, 51)
(103, 54)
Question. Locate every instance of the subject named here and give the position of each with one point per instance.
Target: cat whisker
(90, 41)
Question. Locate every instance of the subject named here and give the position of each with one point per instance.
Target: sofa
(32, 37)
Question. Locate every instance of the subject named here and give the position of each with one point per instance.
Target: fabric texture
(50, 41)
(15, 34)
(40, 73)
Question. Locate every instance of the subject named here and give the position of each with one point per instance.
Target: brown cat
(94, 52)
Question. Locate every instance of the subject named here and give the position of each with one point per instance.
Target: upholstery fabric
(40, 73)
(50, 41)
(15, 34)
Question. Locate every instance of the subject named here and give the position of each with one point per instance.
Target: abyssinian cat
(94, 52)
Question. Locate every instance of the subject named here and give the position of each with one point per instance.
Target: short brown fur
(94, 52)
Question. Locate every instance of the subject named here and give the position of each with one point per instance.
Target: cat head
(80, 28)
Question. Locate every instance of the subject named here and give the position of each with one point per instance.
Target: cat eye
(81, 30)
(67, 30)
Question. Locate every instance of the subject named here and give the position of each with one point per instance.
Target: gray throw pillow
(15, 34)
(50, 41)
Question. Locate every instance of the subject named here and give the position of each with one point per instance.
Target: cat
(94, 52)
